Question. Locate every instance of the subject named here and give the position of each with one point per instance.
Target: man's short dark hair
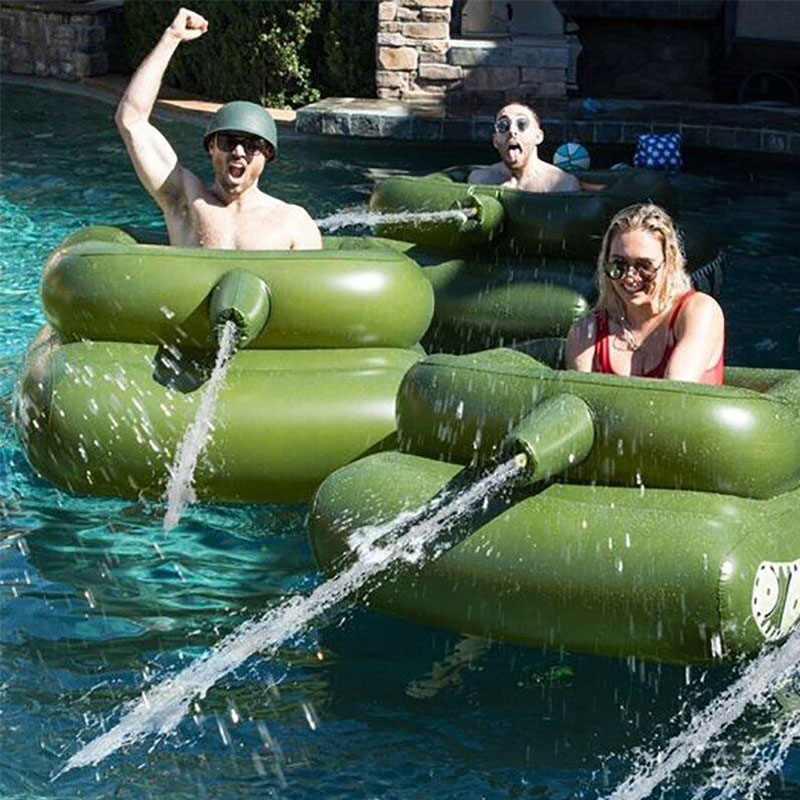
(522, 103)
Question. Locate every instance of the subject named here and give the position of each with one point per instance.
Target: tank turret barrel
(241, 297)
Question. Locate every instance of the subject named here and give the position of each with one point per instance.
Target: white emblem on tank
(775, 602)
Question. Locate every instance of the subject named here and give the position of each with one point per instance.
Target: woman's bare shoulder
(579, 349)
(583, 328)
(701, 306)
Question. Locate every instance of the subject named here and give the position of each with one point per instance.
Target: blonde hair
(652, 218)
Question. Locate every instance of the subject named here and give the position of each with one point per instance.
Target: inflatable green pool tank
(557, 224)
(657, 518)
(509, 265)
(114, 379)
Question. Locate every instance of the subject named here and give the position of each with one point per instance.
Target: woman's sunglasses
(616, 267)
(227, 142)
(503, 124)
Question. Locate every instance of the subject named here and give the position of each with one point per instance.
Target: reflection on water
(412, 540)
(97, 601)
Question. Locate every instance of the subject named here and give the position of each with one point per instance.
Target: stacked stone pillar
(413, 41)
(419, 64)
(62, 40)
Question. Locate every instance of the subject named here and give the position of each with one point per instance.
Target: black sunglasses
(503, 124)
(616, 267)
(227, 142)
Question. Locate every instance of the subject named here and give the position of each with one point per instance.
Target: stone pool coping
(755, 129)
(171, 104)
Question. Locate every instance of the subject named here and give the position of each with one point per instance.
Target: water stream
(743, 775)
(362, 218)
(771, 672)
(379, 548)
(181, 474)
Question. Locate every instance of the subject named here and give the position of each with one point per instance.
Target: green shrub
(267, 51)
(344, 43)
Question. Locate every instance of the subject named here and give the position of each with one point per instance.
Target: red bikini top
(602, 348)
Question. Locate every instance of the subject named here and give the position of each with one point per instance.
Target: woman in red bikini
(648, 321)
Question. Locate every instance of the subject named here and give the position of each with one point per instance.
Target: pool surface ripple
(98, 601)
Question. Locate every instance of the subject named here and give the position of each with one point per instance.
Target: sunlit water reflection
(410, 538)
(97, 601)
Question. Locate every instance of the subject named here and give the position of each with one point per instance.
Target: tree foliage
(344, 42)
(271, 52)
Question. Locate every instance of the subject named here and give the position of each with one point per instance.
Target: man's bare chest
(530, 183)
(261, 228)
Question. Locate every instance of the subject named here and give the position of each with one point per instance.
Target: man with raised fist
(241, 139)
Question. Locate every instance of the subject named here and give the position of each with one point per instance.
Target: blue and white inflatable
(661, 151)
(571, 157)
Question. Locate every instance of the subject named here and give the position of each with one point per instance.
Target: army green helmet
(245, 117)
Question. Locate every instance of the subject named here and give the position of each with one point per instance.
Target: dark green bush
(272, 52)
(344, 45)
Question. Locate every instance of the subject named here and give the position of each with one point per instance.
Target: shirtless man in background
(517, 136)
(241, 140)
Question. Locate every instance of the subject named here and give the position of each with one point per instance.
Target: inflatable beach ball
(571, 157)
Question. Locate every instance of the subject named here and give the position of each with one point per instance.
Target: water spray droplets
(164, 705)
(772, 672)
(362, 218)
(179, 489)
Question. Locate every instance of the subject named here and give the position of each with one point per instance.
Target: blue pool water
(97, 599)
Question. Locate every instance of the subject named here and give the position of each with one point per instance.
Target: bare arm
(579, 350)
(488, 175)
(568, 183)
(306, 234)
(700, 334)
(154, 160)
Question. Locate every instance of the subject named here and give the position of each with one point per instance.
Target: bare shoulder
(703, 302)
(297, 213)
(489, 175)
(561, 181)
(305, 233)
(293, 215)
(699, 338)
(701, 308)
(582, 331)
(579, 349)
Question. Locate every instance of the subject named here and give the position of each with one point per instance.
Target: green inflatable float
(475, 306)
(508, 265)
(558, 225)
(114, 379)
(655, 518)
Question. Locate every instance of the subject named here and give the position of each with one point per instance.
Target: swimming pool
(96, 599)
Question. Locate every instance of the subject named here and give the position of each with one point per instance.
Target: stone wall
(659, 50)
(413, 39)
(61, 40)
(496, 71)
(418, 62)
(639, 59)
